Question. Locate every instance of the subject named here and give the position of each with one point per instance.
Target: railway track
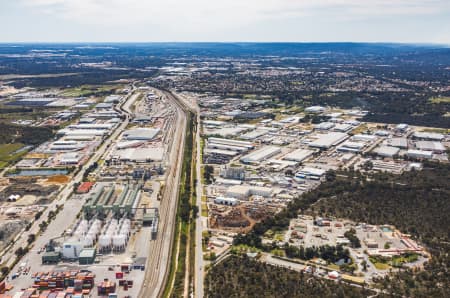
(158, 263)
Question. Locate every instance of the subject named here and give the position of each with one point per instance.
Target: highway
(158, 263)
(21, 239)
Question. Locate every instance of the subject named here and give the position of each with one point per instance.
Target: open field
(89, 90)
(8, 153)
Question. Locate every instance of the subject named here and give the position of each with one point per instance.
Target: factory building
(342, 127)
(226, 201)
(420, 154)
(140, 155)
(218, 156)
(237, 173)
(428, 136)
(140, 134)
(97, 126)
(261, 154)
(401, 143)
(315, 109)
(436, 147)
(350, 146)
(386, 151)
(324, 126)
(310, 173)
(298, 155)
(325, 141)
(229, 142)
(364, 138)
(72, 158)
(245, 191)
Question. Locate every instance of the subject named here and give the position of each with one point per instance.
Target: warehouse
(315, 109)
(420, 154)
(230, 142)
(141, 154)
(98, 126)
(227, 147)
(310, 173)
(72, 158)
(387, 151)
(261, 154)
(81, 132)
(328, 140)
(342, 127)
(245, 191)
(298, 155)
(436, 147)
(401, 143)
(141, 134)
(324, 126)
(226, 201)
(364, 138)
(349, 146)
(429, 136)
(218, 156)
(254, 134)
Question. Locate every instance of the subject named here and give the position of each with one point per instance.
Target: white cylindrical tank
(104, 242)
(118, 242)
(88, 241)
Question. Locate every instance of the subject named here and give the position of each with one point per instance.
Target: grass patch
(440, 99)
(90, 90)
(10, 153)
(205, 210)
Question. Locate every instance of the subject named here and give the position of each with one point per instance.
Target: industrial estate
(141, 186)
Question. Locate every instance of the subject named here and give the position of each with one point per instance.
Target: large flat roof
(329, 139)
(298, 155)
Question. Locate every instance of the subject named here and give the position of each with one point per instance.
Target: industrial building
(229, 172)
(315, 109)
(325, 141)
(351, 146)
(420, 154)
(245, 191)
(229, 142)
(310, 173)
(261, 154)
(387, 151)
(428, 136)
(141, 134)
(298, 155)
(401, 143)
(140, 155)
(226, 201)
(324, 126)
(436, 147)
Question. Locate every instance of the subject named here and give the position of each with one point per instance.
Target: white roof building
(142, 134)
(386, 151)
(261, 154)
(328, 140)
(298, 155)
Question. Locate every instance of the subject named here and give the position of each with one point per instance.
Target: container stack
(74, 281)
(106, 287)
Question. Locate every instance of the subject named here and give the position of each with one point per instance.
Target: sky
(405, 21)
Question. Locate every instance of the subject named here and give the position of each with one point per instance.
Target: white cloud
(226, 12)
(232, 19)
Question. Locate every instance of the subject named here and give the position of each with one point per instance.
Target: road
(199, 264)
(21, 239)
(158, 263)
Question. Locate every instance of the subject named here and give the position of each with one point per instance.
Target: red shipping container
(119, 275)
